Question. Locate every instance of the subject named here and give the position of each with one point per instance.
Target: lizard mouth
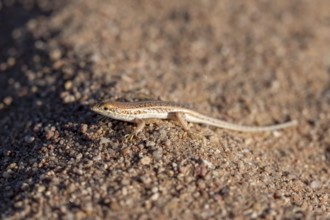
(95, 108)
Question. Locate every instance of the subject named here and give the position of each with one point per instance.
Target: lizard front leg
(140, 124)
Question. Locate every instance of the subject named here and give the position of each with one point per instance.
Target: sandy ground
(248, 62)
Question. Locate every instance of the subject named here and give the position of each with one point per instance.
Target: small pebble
(168, 143)
(49, 134)
(55, 54)
(11, 61)
(68, 85)
(208, 164)
(146, 160)
(158, 153)
(83, 128)
(3, 66)
(68, 98)
(79, 156)
(315, 184)
(8, 100)
(150, 144)
(105, 140)
(12, 166)
(154, 197)
(41, 188)
(29, 139)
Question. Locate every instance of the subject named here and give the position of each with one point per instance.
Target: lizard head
(105, 108)
(113, 110)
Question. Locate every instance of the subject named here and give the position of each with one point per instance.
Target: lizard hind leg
(180, 117)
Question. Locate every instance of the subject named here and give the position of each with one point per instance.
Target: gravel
(253, 64)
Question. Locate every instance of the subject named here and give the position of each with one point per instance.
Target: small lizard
(137, 112)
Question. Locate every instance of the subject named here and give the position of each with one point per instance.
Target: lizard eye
(105, 108)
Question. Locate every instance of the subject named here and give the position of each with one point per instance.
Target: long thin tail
(244, 128)
(222, 124)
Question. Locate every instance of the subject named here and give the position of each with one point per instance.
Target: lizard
(139, 111)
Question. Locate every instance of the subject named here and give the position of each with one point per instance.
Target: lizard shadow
(37, 123)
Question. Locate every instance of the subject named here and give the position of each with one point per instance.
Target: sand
(246, 62)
